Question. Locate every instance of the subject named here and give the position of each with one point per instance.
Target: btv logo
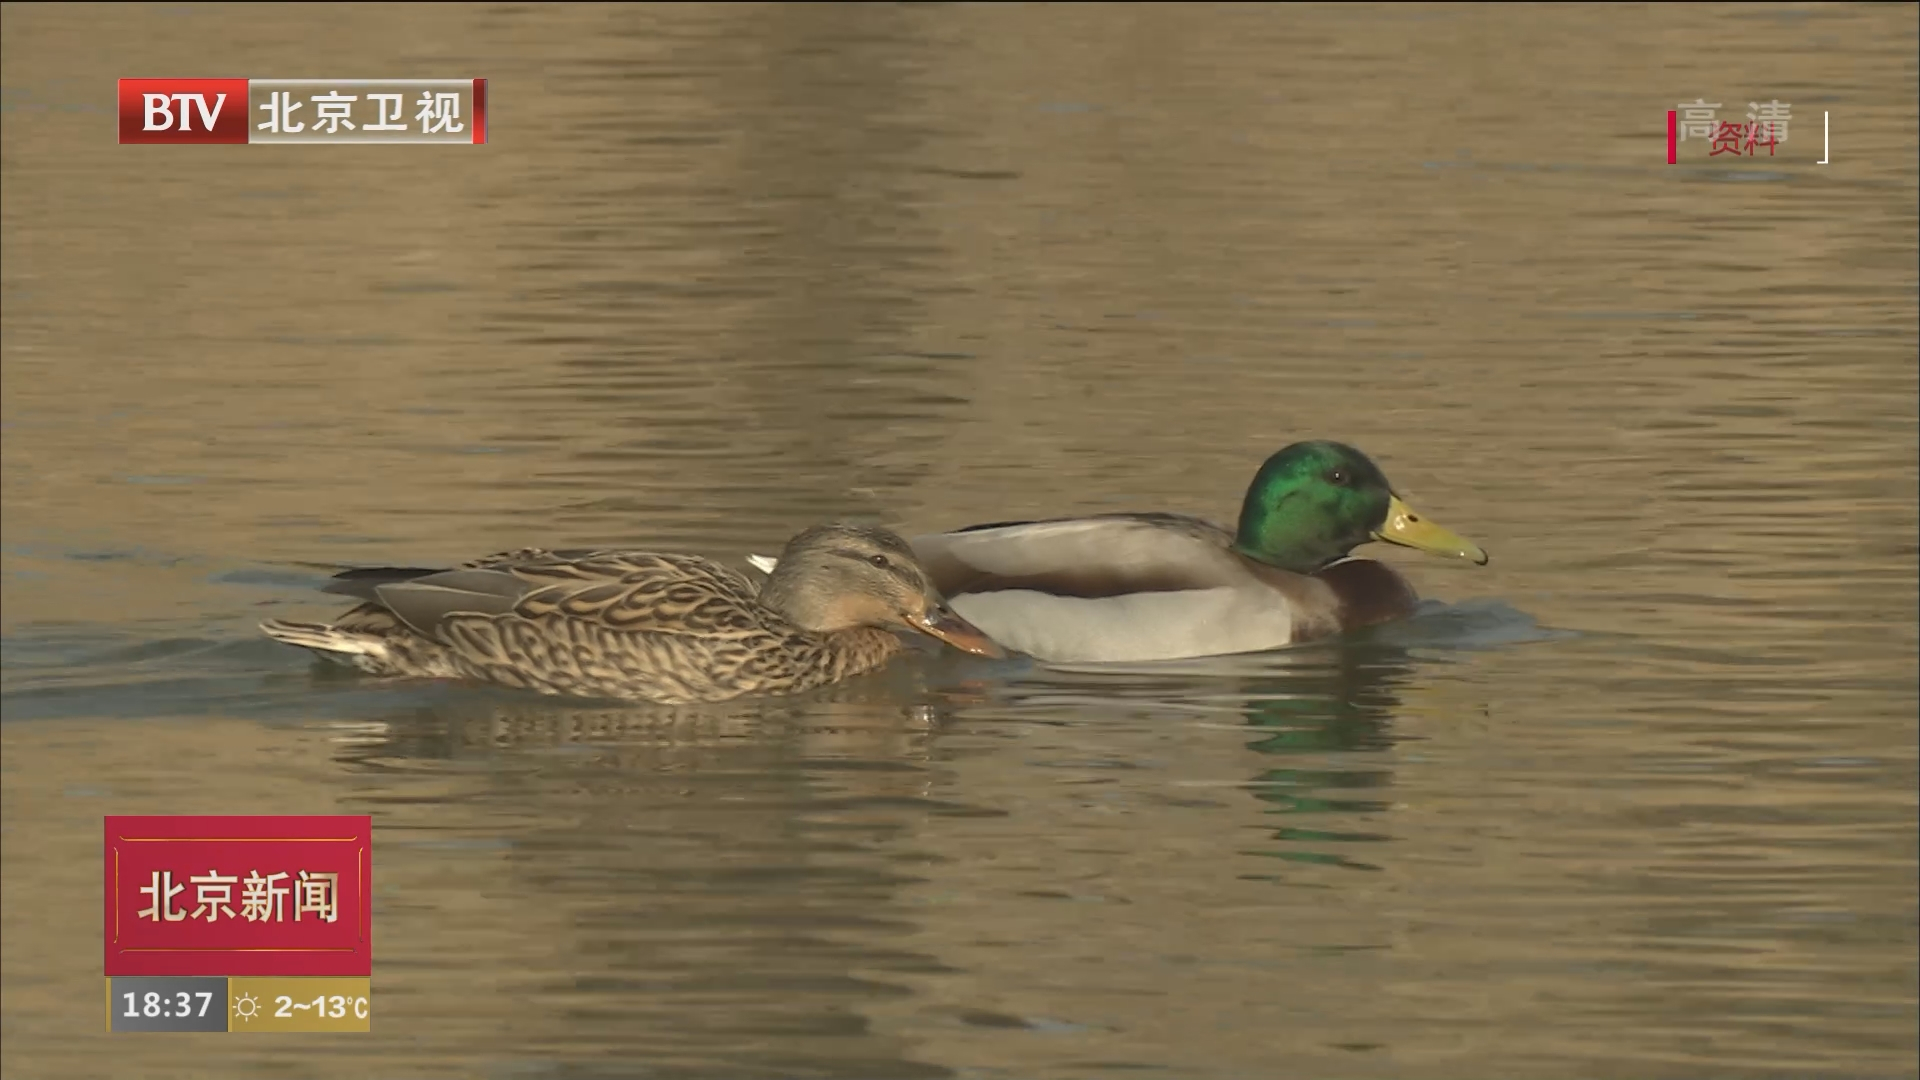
(183, 110)
(160, 117)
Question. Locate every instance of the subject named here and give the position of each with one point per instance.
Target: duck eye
(880, 561)
(1337, 476)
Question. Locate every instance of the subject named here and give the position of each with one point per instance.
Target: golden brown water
(1635, 800)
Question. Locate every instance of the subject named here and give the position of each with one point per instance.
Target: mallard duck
(642, 626)
(1134, 587)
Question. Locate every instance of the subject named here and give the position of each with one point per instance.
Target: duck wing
(620, 591)
(1088, 558)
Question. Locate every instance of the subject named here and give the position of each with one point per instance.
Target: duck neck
(786, 594)
(1300, 539)
(1278, 547)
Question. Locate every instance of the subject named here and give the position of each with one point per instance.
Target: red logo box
(183, 111)
(256, 895)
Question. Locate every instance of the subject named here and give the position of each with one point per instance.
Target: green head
(1314, 502)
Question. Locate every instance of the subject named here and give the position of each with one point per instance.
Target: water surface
(1636, 799)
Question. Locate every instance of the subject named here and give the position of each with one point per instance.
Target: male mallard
(1131, 587)
(636, 625)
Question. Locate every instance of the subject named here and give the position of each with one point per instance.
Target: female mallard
(1131, 587)
(635, 625)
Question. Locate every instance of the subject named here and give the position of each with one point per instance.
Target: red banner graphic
(254, 895)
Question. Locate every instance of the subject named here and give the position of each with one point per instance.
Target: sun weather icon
(245, 1007)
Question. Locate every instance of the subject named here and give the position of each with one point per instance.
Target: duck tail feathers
(339, 646)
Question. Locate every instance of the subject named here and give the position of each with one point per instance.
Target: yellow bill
(1409, 529)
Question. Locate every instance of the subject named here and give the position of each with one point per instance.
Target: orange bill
(942, 623)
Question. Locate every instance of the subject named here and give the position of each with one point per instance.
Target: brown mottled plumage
(643, 626)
